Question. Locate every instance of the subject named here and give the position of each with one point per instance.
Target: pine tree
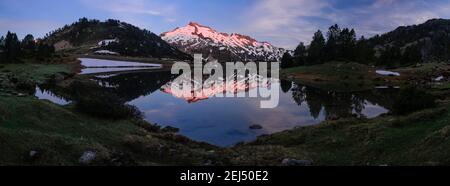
(332, 45)
(346, 45)
(364, 52)
(45, 50)
(2, 48)
(28, 45)
(2, 41)
(286, 60)
(300, 55)
(12, 47)
(390, 57)
(316, 49)
(411, 55)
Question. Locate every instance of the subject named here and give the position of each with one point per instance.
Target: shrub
(91, 99)
(412, 99)
(28, 86)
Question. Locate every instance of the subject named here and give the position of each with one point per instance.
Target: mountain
(427, 42)
(111, 37)
(196, 38)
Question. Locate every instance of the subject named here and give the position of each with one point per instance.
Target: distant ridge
(429, 41)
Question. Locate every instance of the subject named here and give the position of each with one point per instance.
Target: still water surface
(227, 121)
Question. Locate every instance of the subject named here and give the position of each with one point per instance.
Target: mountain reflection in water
(225, 121)
(233, 86)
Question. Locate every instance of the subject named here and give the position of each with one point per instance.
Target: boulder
(87, 158)
(294, 162)
(34, 154)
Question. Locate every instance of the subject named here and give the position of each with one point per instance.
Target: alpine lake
(223, 121)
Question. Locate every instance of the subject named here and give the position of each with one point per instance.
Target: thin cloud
(134, 7)
(287, 19)
(283, 21)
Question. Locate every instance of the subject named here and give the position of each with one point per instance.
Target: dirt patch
(62, 45)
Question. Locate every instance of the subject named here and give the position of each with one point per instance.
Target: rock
(256, 127)
(208, 163)
(333, 117)
(445, 132)
(294, 162)
(21, 95)
(121, 159)
(87, 157)
(58, 77)
(34, 154)
(440, 78)
(14, 80)
(211, 154)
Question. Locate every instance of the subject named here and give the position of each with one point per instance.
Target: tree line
(343, 45)
(13, 50)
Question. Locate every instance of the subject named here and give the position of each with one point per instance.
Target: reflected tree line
(107, 96)
(334, 104)
(130, 86)
(126, 87)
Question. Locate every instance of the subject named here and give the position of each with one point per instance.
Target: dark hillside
(427, 42)
(119, 38)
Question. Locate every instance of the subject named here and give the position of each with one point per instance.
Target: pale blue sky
(282, 22)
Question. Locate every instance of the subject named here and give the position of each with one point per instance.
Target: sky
(284, 23)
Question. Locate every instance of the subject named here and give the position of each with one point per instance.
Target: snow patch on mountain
(106, 42)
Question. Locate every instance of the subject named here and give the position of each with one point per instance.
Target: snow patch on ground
(106, 52)
(387, 73)
(96, 63)
(93, 66)
(440, 78)
(106, 76)
(108, 70)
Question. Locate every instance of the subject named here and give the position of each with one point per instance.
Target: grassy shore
(349, 76)
(36, 72)
(38, 132)
(60, 135)
(420, 138)
(352, 76)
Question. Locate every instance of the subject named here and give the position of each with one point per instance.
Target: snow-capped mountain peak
(195, 38)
